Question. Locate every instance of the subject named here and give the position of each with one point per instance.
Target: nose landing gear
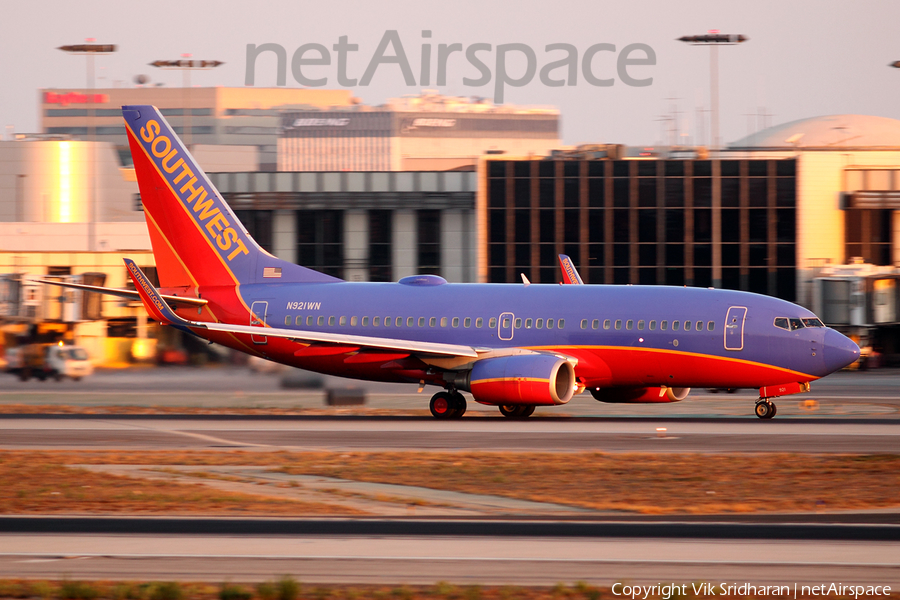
(765, 408)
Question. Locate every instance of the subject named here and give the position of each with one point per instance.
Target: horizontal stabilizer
(128, 294)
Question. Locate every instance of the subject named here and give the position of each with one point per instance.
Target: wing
(129, 294)
(159, 310)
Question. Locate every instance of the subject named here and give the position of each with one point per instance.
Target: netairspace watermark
(561, 64)
(668, 591)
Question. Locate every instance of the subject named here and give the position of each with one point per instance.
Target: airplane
(508, 345)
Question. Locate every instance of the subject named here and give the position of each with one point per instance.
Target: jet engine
(532, 379)
(640, 395)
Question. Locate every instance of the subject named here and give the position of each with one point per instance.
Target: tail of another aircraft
(197, 240)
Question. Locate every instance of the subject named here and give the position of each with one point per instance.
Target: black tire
(763, 410)
(459, 405)
(511, 410)
(774, 410)
(442, 406)
(529, 410)
(25, 374)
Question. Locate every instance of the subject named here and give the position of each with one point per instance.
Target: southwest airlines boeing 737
(509, 345)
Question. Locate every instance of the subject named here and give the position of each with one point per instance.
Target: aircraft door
(734, 328)
(505, 326)
(258, 316)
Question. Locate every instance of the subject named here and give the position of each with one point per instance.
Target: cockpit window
(796, 324)
(782, 323)
(813, 323)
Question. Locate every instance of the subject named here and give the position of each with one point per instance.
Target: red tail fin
(197, 240)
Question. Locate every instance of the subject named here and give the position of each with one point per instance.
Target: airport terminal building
(766, 215)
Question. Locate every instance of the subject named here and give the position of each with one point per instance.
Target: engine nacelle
(640, 395)
(537, 379)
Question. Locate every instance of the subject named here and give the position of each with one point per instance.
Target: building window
(259, 226)
(429, 241)
(320, 240)
(380, 245)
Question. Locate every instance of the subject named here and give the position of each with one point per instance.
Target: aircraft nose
(840, 351)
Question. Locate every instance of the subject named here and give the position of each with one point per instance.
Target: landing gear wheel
(765, 409)
(516, 411)
(442, 406)
(510, 410)
(774, 410)
(459, 404)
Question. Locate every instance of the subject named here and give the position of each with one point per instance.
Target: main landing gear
(517, 410)
(765, 408)
(448, 405)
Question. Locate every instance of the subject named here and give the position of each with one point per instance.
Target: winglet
(569, 272)
(153, 302)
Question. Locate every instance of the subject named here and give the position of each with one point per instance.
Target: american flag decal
(272, 272)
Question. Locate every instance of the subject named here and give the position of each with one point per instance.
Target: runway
(413, 433)
(424, 558)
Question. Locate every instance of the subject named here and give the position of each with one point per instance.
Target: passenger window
(443, 321)
(505, 322)
(699, 326)
(467, 322)
(309, 320)
(398, 321)
(479, 322)
(320, 321)
(376, 321)
(421, 321)
(492, 323)
(410, 321)
(455, 322)
(352, 321)
(432, 321)
(518, 323)
(539, 324)
(331, 321)
(343, 321)
(549, 323)
(618, 323)
(687, 325)
(287, 320)
(529, 323)
(606, 324)
(298, 321)
(584, 323)
(675, 325)
(652, 325)
(663, 325)
(796, 324)
(640, 325)
(629, 324)
(560, 323)
(595, 324)
(365, 321)
(710, 325)
(387, 321)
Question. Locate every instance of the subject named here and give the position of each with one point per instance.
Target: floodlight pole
(714, 39)
(186, 65)
(89, 50)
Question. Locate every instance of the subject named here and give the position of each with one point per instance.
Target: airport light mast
(714, 39)
(90, 50)
(186, 65)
